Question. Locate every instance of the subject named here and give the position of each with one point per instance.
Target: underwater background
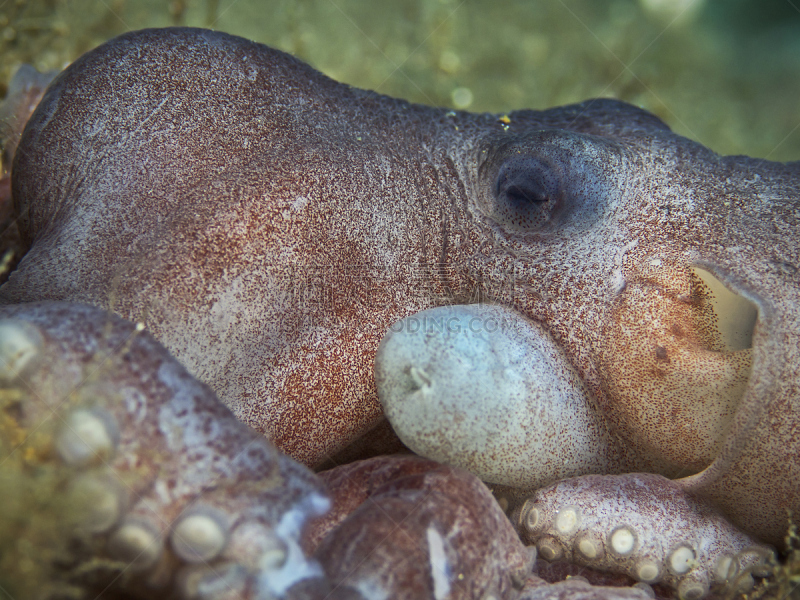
(725, 73)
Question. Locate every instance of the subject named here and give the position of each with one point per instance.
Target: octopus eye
(527, 193)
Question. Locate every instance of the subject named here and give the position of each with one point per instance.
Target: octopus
(562, 337)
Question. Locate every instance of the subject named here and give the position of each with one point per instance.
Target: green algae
(44, 552)
(34, 518)
(726, 74)
(783, 582)
(786, 578)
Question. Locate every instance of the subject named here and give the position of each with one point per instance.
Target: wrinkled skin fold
(269, 225)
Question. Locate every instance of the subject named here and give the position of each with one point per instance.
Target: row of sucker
(644, 526)
(176, 493)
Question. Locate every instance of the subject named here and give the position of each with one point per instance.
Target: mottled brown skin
(387, 510)
(351, 484)
(269, 224)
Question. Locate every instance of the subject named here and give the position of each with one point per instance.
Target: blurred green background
(726, 73)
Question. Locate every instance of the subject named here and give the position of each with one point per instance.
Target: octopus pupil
(520, 195)
(527, 192)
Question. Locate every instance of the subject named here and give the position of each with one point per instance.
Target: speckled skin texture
(674, 540)
(405, 527)
(166, 449)
(269, 224)
(227, 236)
(481, 387)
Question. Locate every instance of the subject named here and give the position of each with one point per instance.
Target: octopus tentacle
(171, 490)
(641, 525)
